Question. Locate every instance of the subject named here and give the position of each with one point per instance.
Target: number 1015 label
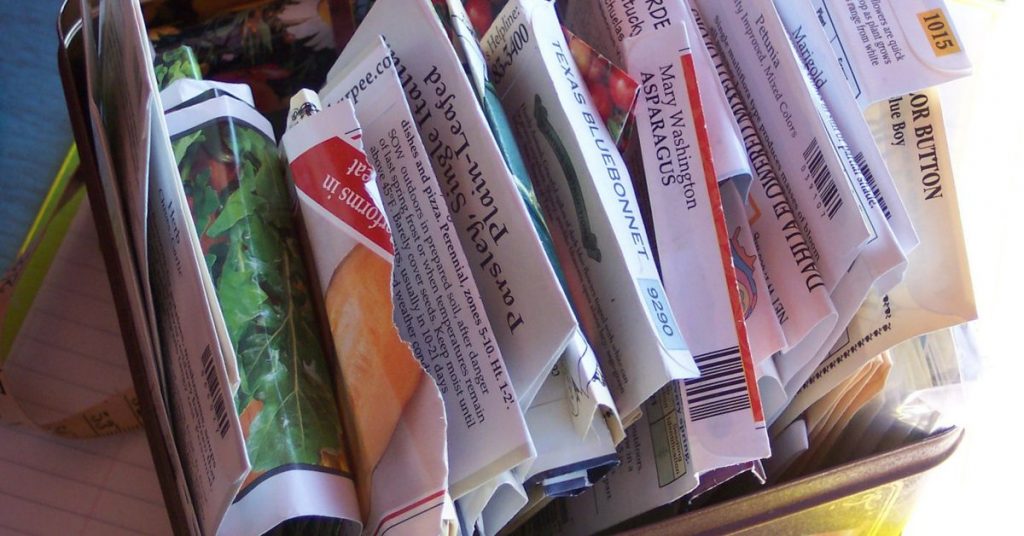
(939, 32)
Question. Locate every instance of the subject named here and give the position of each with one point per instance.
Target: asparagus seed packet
(589, 201)
(240, 206)
(723, 409)
(398, 433)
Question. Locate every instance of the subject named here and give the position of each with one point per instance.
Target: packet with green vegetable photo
(234, 181)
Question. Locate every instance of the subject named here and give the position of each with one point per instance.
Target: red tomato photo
(623, 89)
(480, 15)
(602, 100)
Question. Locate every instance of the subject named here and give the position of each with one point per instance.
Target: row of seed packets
(825, 219)
(566, 306)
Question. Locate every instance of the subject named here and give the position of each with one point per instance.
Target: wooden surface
(34, 131)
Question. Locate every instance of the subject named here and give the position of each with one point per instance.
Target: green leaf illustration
(234, 179)
(176, 64)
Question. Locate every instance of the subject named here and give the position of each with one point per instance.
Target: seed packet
(234, 181)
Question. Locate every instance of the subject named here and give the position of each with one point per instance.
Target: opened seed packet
(493, 220)
(723, 410)
(438, 307)
(399, 446)
(234, 181)
(590, 204)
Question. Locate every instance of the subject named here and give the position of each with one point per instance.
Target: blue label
(661, 313)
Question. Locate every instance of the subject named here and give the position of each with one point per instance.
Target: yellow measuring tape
(18, 287)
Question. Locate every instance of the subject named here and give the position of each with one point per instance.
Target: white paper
(185, 89)
(655, 470)
(589, 202)
(188, 333)
(527, 307)
(882, 261)
(796, 294)
(889, 48)
(67, 356)
(126, 96)
(105, 486)
(588, 395)
(724, 417)
(798, 363)
(568, 462)
(437, 307)
(811, 175)
(936, 291)
(488, 508)
(807, 33)
(135, 274)
(400, 431)
(730, 156)
(559, 446)
(763, 330)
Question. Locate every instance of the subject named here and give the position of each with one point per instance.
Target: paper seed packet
(572, 420)
(590, 399)
(589, 204)
(797, 142)
(696, 426)
(587, 413)
(439, 310)
(522, 296)
(397, 415)
(234, 182)
(828, 158)
(723, 412)
(613, 91)
(889, 48)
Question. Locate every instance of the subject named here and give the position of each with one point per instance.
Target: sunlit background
(978, 489)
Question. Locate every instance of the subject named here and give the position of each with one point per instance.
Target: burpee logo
(334, 174)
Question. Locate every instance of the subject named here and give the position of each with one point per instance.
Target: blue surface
(34, 130)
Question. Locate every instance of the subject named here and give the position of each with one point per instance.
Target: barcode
(721, 387)
(828, 192)
(862, 164)
(216, 392)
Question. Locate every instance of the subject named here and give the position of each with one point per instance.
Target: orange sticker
(940, 33)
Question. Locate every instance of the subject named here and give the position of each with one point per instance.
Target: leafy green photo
(176, 64)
